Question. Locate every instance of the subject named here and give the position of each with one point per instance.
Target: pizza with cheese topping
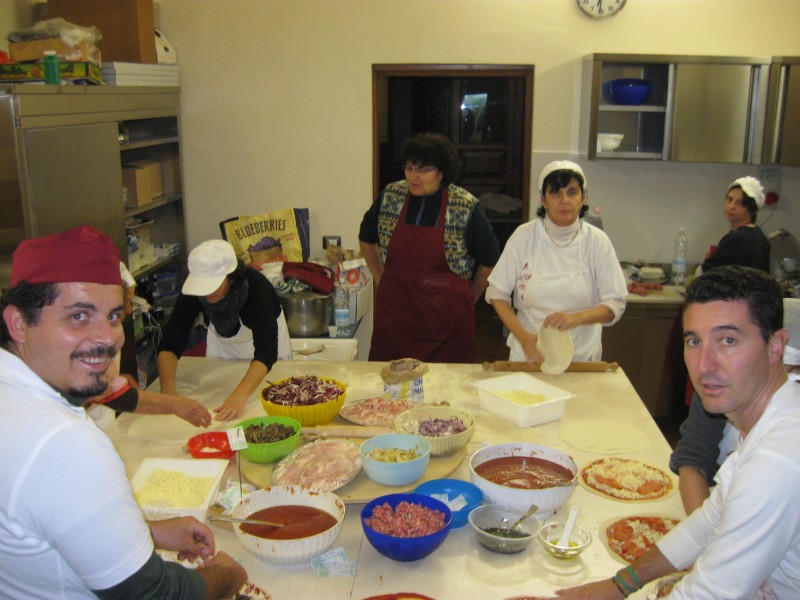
(627, 480)
(631, 537)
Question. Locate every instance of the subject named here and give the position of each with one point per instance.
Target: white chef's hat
(791, 321)
(752, 187)
(565, 165)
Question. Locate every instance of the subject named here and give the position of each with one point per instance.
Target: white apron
(553, 281)
(240, 346)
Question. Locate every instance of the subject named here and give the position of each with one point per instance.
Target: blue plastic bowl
(406, 549)
(453, 488)
(630, 91)
(399, 473)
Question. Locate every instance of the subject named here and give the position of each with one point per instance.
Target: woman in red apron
(430, 249)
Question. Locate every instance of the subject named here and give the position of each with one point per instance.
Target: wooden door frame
(381, 72)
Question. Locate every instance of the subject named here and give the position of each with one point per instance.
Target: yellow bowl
(308, 415)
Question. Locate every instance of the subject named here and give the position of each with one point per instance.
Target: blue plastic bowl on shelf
(630, 92)
(406, 549)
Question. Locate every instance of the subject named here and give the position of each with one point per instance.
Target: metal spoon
(529, 513)
(251, 521)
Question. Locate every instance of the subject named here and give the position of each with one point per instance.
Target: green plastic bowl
(273, 451)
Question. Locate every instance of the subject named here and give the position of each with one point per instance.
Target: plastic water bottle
(52, 73)
(679, 258)
(341, 309)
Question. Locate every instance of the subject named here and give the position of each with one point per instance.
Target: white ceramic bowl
(289, 552)
(608, 142)
(396, 473)
(549, 500)
(408, 422)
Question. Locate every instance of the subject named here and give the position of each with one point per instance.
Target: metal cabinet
(701, 109)
(782, 129)
(62, 151)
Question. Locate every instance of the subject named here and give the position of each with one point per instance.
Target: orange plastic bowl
(211, 444)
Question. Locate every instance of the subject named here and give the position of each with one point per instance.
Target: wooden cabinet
(647, 343)
(701, 109)
(782, 130)
(63, 151)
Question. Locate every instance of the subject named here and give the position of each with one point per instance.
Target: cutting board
(362, 489)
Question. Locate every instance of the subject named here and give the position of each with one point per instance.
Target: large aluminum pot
(308, 314)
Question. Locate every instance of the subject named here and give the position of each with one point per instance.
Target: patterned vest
(460, 204)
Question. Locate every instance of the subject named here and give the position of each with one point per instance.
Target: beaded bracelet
(618, 578)
(619, 587)
(629, 570)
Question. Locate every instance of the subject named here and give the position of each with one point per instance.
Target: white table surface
(460, 568)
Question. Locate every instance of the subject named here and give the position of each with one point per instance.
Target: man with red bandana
(69, 525)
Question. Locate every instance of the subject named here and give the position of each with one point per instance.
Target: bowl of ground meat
(518, 474)
(405, 527)
(269, 438)
(310, 399)
(446, 429)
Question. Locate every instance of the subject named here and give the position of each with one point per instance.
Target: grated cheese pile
(627, 479)
(522, 397)
(173, 488)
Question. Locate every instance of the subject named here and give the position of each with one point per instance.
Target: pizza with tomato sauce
(627, 480)
(631, 537)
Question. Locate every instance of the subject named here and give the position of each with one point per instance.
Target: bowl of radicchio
(446, 429)
(310, 399)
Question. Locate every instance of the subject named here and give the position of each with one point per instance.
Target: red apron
(422, 310)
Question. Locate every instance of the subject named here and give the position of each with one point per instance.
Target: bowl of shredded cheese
(395, 458)
(164, 487)
(522, 399)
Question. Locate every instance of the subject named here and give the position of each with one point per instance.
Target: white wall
(276, 100)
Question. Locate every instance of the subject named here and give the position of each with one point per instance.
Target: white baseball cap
(752, 187)
(561, 165)
(209, 264)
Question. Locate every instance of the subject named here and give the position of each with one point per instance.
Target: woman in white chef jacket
(245, 319)
(558, 271)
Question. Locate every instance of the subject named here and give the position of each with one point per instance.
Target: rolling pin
(575, 367)
(347, 431)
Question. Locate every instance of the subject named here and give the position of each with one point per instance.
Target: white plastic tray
(551, 409)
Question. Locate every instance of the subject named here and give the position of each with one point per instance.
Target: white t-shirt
(745, 539)
(542, 277)
(68, 520)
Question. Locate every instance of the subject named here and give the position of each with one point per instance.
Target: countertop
(671, 294)
(460, 568)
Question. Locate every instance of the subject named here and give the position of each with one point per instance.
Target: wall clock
(599, 9)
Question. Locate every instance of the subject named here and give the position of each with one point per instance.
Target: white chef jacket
(543, 278)
(744, 540)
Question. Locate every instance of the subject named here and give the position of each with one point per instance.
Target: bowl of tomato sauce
(311, 522)
(518, 474)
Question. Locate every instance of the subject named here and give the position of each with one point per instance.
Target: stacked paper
(122, 73)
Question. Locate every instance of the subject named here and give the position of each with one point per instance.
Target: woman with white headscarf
(558, 271)
(745, 244)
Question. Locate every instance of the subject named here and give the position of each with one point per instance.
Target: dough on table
(604, 437)
(163, 428)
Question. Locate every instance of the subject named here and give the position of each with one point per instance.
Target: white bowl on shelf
(608, 142)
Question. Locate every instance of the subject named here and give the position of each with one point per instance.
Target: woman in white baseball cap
(244, 317)
(745, 244)
(558, 272)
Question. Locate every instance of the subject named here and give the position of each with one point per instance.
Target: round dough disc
(557, 349)
(604, 437)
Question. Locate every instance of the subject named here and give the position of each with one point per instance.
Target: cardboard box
(144, 180)
(85, 72)
(128, 26)
(34, 50)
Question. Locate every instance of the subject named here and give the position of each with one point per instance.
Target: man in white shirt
(744, 541)
(69, 526)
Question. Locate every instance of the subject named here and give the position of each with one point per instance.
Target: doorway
(485, 110)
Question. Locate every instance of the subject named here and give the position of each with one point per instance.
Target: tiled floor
(491, 346)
